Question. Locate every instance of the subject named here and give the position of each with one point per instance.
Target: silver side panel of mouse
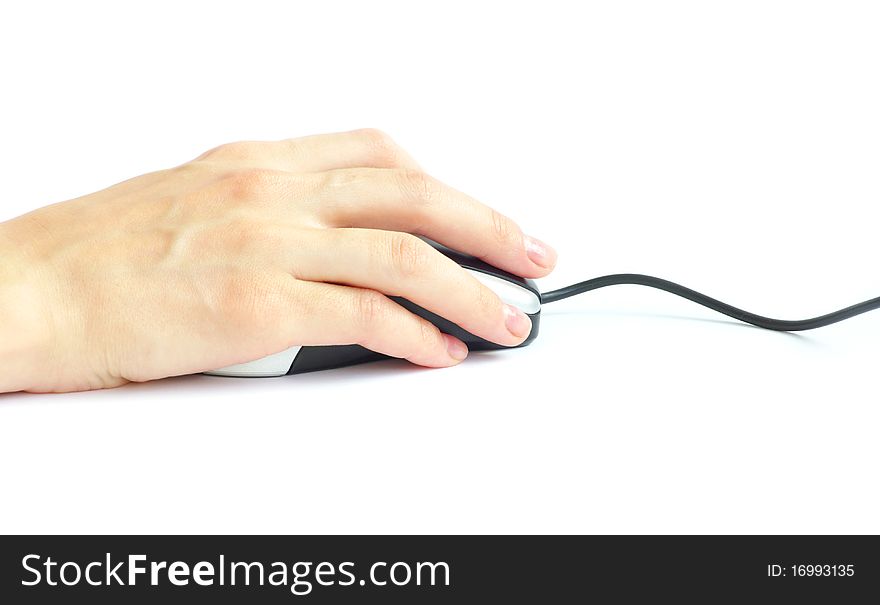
(525, 300)
(272, 365)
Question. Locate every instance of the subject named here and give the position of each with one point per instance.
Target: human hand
(249, 249)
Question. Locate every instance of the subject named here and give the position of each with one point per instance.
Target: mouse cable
(781, 325)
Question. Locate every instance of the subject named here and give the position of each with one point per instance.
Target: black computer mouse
(513, 290)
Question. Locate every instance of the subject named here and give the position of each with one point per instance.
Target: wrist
(24, 333)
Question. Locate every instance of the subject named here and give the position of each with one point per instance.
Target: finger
(400, 264)
(411, 201)
(337, 314)
(368, 148)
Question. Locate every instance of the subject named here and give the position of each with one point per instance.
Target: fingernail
(540, 253)
(517, 322)
(456, 349)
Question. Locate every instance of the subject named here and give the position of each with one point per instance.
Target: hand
(249, 249)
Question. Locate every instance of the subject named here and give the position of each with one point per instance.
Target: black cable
(781, 325)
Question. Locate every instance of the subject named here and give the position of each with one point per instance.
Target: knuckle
(370, 308)
(234, 295)
(271, 301)
(418, 187)
(218, 152)
(251, 301)
(375, 138)
(380, 146)
(229, 149)
(334, 180)
(428, 336)
(213, 153)
(409, 255)
(187, 170)
(487, 302)
(248, 183)
(240, 237)
(236, 150)
(502, 227)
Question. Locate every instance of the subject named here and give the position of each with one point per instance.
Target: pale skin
(249, 249)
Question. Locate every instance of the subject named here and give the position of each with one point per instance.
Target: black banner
(438, 569)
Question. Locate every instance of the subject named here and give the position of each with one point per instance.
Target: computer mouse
(513, 290)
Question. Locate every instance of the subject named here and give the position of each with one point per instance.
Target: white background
(730, 146)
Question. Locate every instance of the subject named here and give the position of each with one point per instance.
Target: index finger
(411, 201)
